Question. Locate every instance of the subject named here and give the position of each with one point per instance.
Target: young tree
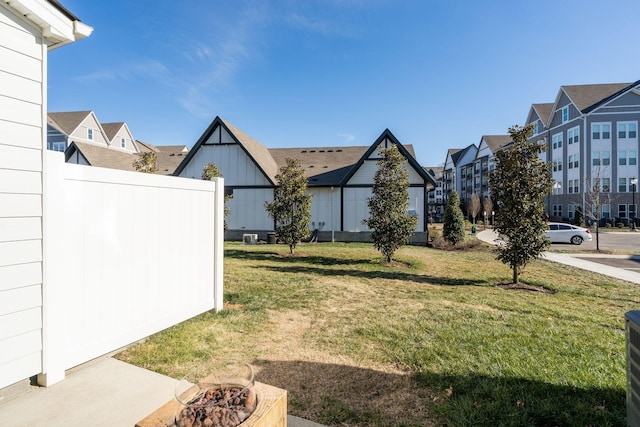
(209, 172)
(146, 162)
(487, 206)
(474, 207)
(291, 205)
(388, 218)
(519, 184)
(597, 194)
(453, 227)
(578, 218)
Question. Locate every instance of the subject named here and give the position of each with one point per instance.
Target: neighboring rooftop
(496, 142)
(585, 96)
(67, 121)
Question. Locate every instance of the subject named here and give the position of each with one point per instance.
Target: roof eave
(57, 24)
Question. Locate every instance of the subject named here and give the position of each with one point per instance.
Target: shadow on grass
(280, 257)
(251, 255)
(377, 274)
(335, 395)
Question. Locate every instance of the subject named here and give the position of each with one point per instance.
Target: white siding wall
(366, 173)
(248, 209)
(484, 150)
(233, 162)
(325, 207)
(355, 208)
(22, 60)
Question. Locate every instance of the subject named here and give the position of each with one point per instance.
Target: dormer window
(90, 134)
(565, 114)
(123, 143)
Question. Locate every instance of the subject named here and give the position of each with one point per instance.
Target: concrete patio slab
(103, 393)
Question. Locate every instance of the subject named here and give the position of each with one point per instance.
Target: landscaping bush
(466, 245)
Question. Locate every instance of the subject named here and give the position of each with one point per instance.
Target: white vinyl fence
(125, 255)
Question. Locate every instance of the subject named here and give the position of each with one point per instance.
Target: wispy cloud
(347, 137)
(149, 68)
(218, 61)
(328, 27)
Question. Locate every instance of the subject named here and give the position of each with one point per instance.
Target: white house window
(627, 130)
(573, 135)
(557, 210)
(573, 186)
(633, 158)
(606, 211)
(606, 158)
(606, 184)
(572, 210)
(123, 143)
(535, 128)
(622, 185)
(573, 161)
(556, 141)
(557, 165)
(622, 158)
(601, 131)
(57, 146)
(622, 211)
(565, 114)
(90, 134)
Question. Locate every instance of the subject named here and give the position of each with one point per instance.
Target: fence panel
(126, 255)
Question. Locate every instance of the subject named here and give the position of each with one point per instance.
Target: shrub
(466, 245)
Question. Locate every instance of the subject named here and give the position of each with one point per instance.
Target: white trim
(56, 27)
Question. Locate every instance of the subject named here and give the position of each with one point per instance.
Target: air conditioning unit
(633, 367)
(249, 239)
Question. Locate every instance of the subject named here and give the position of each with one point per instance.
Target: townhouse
(340, 180)
(87, 141)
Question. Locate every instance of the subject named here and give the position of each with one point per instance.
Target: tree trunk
(515, 275)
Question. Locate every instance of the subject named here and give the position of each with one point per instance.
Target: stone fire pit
(270, 410)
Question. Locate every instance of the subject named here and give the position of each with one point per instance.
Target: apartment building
(590, 134)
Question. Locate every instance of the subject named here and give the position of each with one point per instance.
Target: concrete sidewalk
(580, 260)
(102, 393)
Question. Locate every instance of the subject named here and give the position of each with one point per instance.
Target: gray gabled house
(339, 178)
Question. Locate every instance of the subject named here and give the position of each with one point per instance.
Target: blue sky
(300, 73)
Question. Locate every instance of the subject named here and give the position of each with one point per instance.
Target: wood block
(271, 410)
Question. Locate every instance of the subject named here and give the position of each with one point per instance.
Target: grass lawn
(431, 340)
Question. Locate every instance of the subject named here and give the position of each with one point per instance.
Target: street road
(626, 241)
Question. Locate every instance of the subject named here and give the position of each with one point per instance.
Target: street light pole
(634, 181)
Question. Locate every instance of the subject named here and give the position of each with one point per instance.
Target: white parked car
(566, 233)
